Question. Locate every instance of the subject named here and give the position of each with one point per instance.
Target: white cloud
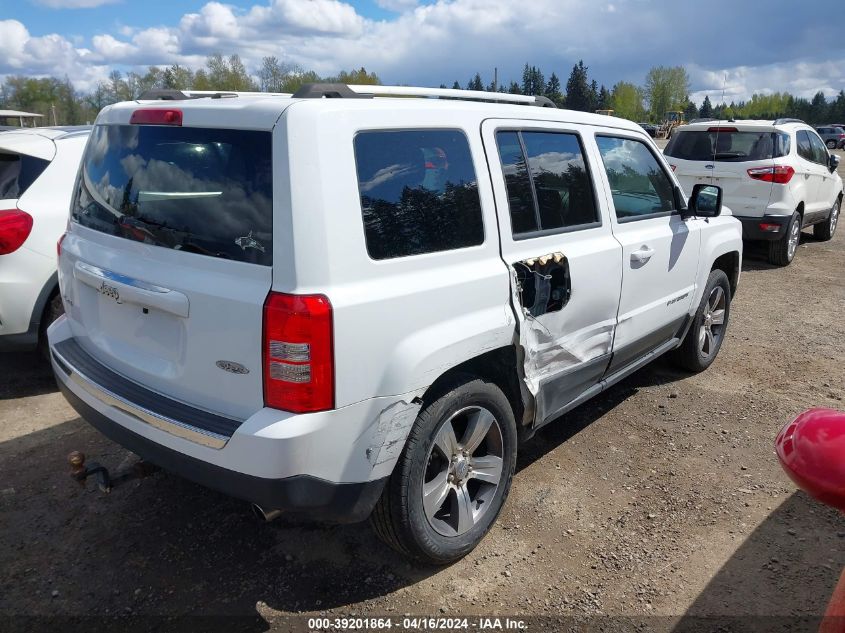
(801, 78)
(398, 6)
(75, 4)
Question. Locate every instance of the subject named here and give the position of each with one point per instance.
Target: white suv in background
(38, 168)
(777, 177)
(351, 306)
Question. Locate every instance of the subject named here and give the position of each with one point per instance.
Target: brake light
(767, 227)
(779, 174)
(156, 116)
(722, 130)
(15, 227)
(59, 245)
(298, 354)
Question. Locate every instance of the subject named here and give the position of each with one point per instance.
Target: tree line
(664, 89)
(62, 104)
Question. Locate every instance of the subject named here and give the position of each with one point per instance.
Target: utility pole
(495, 79)
(53, 109)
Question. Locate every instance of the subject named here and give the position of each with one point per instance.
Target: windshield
(727, 146)
(204, 191)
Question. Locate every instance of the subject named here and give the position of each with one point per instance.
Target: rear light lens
(298, 354)
(59, 245)
(156, 116)
(769, 228)
(15, 227)
(722, 130)
(779, 174)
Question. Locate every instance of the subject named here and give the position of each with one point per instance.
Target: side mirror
(705, 201)
(833, 163)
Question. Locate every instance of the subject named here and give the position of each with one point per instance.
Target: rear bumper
(301, 494)
(751, 227)
(330, 465)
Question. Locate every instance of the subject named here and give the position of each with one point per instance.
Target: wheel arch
(500, 366)
(729, 263)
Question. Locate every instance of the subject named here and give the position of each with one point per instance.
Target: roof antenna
(718, 129)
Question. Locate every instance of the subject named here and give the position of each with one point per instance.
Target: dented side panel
(562, 348)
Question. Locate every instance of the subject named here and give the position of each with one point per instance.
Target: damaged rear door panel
(565, 264)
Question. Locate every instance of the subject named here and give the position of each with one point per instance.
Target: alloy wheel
(463, 475)
(794, 239)
(713, 322)
(834, 217)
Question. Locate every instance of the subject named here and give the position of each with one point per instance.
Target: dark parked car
(650, 128)
(833, 136)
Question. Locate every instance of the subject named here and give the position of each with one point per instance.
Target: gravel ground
(660, 500)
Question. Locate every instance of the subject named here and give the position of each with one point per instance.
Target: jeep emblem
(232, 367)
(109, 291)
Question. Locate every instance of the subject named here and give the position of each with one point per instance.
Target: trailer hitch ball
(80, 472)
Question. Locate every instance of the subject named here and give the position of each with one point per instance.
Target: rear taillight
(15, 227)
(156, 116)
(779, 174)
(768, 227)
(298, 355)
(59, 245)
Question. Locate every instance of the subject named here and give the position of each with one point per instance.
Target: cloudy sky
(759, 47)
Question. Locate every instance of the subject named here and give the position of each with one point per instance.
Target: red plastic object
(156, 116)
(811, 450)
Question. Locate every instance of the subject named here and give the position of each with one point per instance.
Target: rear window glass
(204, 191)
(727, 146)
(18, 172)
(419, 192)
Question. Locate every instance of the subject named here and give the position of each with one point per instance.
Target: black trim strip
(160, 411)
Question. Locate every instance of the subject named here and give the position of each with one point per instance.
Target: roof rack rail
(344, 91)
(170, 94)
(787, 120)
(328, 91)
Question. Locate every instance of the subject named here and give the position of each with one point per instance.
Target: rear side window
(638, 184)
(820, 154)
(805, 148)
(18, 172)
(419, 192)
(203, 191)
(549, 187)
(727, 146)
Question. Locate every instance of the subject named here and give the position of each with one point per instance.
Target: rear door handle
(126, 289)
(642, 255)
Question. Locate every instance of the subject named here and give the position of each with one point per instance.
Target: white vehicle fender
(719, 236)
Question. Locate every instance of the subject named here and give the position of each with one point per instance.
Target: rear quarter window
(197, 190)
(18, 172)
(418, 192)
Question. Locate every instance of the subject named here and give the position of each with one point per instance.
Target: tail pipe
(265, 514)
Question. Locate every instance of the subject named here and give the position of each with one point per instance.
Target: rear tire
(710, 323)
(436, 508)
(782, 252)
(52, 311)
(825, 230)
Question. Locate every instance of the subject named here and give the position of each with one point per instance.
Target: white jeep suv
(38, 168)
(777, 177)
(353, 306)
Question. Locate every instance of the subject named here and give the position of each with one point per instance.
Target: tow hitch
(105, 482)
